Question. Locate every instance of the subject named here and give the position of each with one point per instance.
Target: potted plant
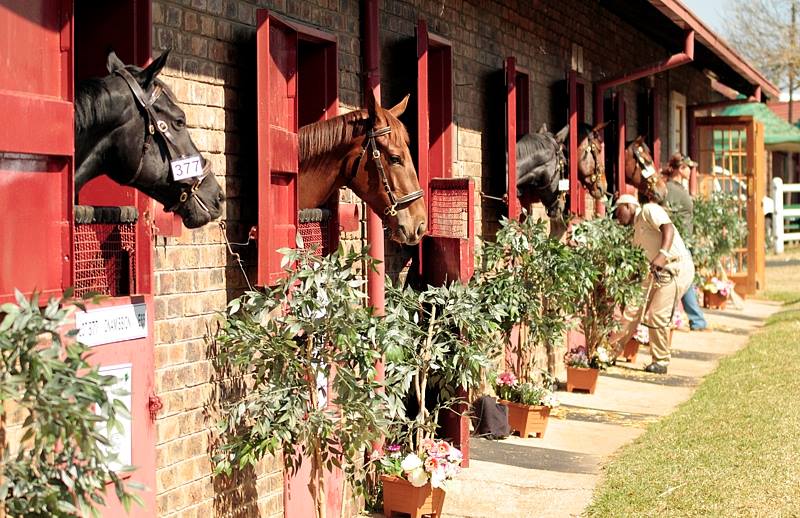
(642, 336)
(438, 341)
(716, 293)
(719, 229)
(532, 283)
(529, 404)
(302, 357)
(415, 483)
(618, 269)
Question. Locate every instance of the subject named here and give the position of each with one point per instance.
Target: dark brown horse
(367, 151)
(640, 171)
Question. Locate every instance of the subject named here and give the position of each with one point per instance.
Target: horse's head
(154, 151)
(386, 178)
(591, 168)
(640, 171)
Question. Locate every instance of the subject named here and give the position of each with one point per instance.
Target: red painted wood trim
(575, 205)
(511, 138)
(621, 135)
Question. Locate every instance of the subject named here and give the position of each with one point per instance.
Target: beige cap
(627, 198)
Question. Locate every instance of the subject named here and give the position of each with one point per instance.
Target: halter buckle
(184, 196)
(390, 210)
(162, 126)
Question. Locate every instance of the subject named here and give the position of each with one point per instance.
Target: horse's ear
(398, 109)
(113, 63)
(561, 136)
(601, 126)
(147, 75)
(542, 129)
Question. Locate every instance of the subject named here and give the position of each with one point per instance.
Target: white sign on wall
(121, 441)
(111, 324)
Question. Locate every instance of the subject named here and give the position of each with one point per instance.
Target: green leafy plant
(619, 268)
(287, 346)
(438, 340)
(719, 229)
(61, 464)
(531, 280)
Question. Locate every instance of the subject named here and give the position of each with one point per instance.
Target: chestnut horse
(640, 171)
(367, 151)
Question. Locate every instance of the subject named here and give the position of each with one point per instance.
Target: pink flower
(431, 464)
(507, 378)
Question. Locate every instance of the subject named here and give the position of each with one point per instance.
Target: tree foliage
(719, 229)
(287, 345)
(619, 267)
(61, 465)
(439, 340)
(531, 280)
(762, 30)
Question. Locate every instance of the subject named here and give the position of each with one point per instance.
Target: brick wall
(212, 71)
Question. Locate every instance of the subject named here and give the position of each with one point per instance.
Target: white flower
(417, 477)
(602, 355)
(411, 462)
(438, 477)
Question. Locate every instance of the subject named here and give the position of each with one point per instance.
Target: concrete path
(556, 475)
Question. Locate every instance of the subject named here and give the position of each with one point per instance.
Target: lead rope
(235, 255)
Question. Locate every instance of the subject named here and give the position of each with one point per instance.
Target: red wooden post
(575, 202)
(622, 187)
(511, 138)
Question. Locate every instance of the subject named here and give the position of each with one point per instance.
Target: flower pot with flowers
(642, 336)
(415, 483)
(582, 369)
(716, 292)
(529, 404)
(619, 269)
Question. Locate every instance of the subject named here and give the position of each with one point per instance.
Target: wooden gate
(731, 157)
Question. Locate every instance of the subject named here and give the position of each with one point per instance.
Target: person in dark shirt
(680, 206)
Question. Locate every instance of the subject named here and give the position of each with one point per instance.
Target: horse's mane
(91, 103)
(325, 136)
(540, 144)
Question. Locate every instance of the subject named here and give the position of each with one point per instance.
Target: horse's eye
(395, 160)
(179, 123)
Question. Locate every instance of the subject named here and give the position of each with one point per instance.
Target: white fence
(781, 215)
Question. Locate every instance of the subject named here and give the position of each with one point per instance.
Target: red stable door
(36, 146)
(296, 81)
(447, 252)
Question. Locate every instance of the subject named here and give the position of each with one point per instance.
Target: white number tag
(563, 184)
(648, 171)
(188, 167)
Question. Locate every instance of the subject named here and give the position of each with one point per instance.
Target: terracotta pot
(714, 300)
(399, 496)
(630, 351)
(527, 419)
(581, 378)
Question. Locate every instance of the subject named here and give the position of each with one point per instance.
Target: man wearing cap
(681, 207)
(671, 273)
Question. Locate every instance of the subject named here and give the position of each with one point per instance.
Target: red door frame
(517, 124)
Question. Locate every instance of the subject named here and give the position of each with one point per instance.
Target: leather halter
(596, 176)
(155, 125)
(394, 201)
(652, 180)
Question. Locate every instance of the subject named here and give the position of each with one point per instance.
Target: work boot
(657, 368)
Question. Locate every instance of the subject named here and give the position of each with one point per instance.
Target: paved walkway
(556, 475)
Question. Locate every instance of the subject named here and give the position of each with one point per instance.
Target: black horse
(128, 125)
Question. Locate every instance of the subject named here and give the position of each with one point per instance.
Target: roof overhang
(686, 20)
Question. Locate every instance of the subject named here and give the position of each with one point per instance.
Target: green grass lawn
(783, 277)
(732, 450)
